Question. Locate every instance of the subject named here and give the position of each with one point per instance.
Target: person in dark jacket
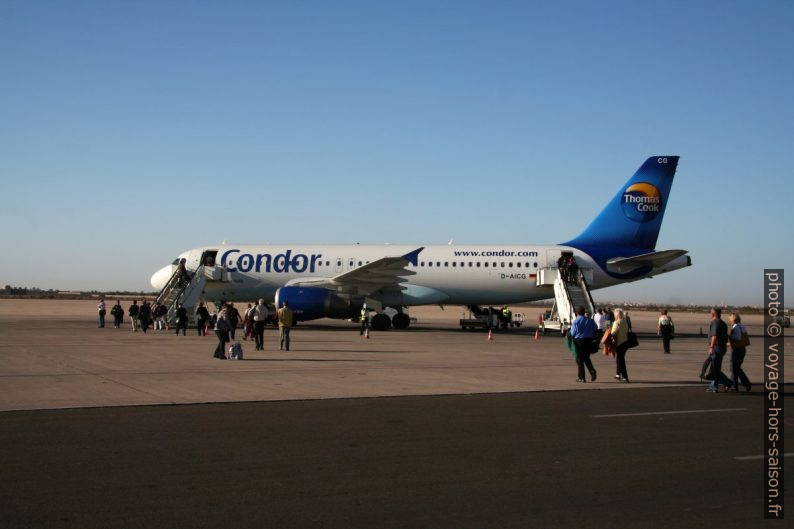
(202, 317)
(233, 317)
(145, 316)
(133, 312)
(118, 314)
(222, 332)
(181, 320)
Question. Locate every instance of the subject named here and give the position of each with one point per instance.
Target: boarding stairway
(568, 296)
(185, 289)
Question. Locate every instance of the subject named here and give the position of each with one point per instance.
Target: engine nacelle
(311, 303)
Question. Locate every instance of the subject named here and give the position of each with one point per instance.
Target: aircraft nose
(161, 277)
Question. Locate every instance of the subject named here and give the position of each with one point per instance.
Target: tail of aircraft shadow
(633, 217)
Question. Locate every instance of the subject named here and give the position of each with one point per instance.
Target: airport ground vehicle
(479, 318)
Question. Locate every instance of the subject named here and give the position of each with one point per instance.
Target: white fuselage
(444, 274)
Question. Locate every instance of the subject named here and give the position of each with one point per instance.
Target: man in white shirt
(259, 317)
(665, 330)
(101, 311)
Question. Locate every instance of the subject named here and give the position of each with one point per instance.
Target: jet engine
(311, 303)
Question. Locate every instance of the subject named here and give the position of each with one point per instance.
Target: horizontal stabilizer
(624, 265)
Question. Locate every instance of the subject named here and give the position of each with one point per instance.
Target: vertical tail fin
(632, 218)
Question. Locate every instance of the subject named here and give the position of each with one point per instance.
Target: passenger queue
(607, 330)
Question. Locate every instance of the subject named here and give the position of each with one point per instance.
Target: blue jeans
(284, 337)
(719, 376)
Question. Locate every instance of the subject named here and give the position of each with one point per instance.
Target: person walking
(364, 321)
(101, 310)
(284, 325)
(583, 332)
(145, 316)
(159, 312)
(202, 317)
(222, 332)
(133, 312)
(233, 315)
(620, 332)
(739, 341)
(664, 328)
(181, 320)
(718, 340)
(259, 315)
(598, 319)
(248, 323)
(118, 314)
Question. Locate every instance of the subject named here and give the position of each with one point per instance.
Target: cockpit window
(175, 261)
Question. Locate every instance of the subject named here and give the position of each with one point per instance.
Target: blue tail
(633, 217)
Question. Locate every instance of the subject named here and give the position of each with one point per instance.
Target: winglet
(413, 257)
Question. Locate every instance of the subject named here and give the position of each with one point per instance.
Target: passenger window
(454, 263)
(478, 264)
(510, 264)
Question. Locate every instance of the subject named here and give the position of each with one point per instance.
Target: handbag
(632, 341)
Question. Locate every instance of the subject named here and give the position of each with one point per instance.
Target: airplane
(336, 281)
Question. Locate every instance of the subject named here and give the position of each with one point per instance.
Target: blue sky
(131, 131)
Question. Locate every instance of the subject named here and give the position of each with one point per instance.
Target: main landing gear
(382, 321)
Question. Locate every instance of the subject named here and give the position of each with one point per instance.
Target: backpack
(236, 351)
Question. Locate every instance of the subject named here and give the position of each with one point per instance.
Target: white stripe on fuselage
(464, 274)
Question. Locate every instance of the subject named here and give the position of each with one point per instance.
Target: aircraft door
(193, 259)
(208, 257)
(553, 257)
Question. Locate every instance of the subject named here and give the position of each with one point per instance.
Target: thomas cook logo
(641, 202)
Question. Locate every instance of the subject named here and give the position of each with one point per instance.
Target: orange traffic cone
(490, 334)
(537, 334)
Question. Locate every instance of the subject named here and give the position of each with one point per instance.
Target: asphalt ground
(430, 427)
(52, 355)
(542, 459)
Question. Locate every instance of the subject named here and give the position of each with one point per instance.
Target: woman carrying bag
(616, 342)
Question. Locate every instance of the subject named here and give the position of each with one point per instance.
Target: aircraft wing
(385, 274)
(624, 265)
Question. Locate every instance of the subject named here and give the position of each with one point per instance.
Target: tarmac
(456, 431)
(54, 356)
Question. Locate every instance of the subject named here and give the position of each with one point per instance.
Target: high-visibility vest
(506, 313)
(363, 314)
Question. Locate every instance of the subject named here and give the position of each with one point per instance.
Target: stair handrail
(571, 310)
(586, 288)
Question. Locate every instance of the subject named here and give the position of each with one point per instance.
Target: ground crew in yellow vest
(507, 315)
(364, 319)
